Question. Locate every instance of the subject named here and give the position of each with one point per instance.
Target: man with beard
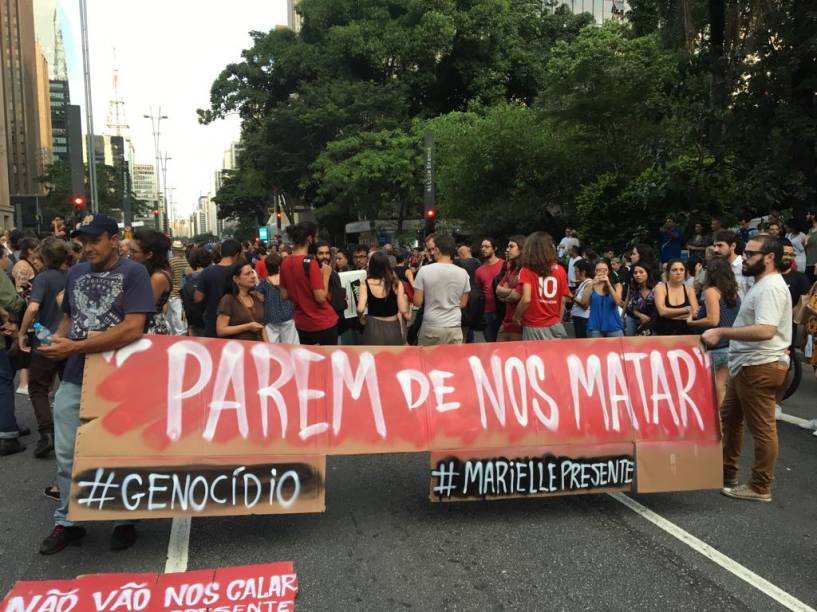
(798, 286)
(484, 277)
(758, 364)
(725, 243)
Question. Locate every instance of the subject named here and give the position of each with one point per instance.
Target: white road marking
(787, 418)
(730, 565)
(178, 545)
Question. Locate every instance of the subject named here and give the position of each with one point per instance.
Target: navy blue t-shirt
(97, 301)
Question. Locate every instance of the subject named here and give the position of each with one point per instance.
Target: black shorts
(323, 337)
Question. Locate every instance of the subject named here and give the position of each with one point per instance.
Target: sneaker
(812, 424)
(10, 446)
(730, 483)
(44, 445)
(22, 390)
(52, 492)
(746, 492)
(60, 538)
(123, 537)
(778, 411)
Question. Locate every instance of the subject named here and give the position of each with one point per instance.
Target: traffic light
(430, 221)
(78, 202)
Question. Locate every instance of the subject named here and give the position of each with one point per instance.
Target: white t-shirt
(798, 241)
(442, 285)
(571, 270)
(565, 244)
(767, 302)
(744, 282)
(576, 310)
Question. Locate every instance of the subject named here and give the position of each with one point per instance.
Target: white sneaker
(812, 424)
(22, 390)
(778, 411)
(814, 434)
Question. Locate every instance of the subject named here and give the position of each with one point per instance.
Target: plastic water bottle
(43, 334)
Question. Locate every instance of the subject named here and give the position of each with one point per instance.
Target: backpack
(500, 305)
(337, 294)
(192, 310)
(474, 309)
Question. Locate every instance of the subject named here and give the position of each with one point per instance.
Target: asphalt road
(381, 545)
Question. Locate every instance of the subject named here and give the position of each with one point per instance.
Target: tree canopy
(540, 117)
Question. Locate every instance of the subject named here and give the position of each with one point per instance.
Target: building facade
(18, 79)
(45, 135)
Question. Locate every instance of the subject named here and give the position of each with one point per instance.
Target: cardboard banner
(351, 281)
(271, 587)
(177, 425)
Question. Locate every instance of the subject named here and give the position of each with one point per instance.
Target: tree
(370, 175)
(375, 67)
(504, 169)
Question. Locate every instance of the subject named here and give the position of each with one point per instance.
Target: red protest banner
(194, 426)
(270, 587)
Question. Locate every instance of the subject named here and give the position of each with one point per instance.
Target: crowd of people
(747, 291)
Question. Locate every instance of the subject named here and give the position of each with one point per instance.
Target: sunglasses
(748, 253)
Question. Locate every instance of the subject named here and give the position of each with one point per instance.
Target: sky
(168, 54)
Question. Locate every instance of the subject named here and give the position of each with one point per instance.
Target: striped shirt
(178, 265)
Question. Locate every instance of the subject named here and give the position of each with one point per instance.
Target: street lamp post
(167, 211)
(89, 112)
(156, 124)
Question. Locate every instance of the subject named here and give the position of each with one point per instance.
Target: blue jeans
(630, 325)
(8, 422)
(596, 333)
(491, 326)
(66, 423)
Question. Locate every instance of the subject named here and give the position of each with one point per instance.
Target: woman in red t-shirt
(544, 289)
(509, 291)
(306, 285)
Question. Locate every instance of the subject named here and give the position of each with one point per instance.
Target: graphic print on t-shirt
(93, 297)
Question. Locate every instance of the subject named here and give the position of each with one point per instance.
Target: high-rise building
(74, 133)
(144, 189)
(48, 31)
(6, 212)
(293, 17)
(18, 78)
(602, 10)
(45, 136)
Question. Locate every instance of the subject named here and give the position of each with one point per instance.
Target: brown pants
(750, 396)
(40, 377)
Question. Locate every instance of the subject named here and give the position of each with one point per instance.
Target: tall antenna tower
(60, 70)
(117, 119)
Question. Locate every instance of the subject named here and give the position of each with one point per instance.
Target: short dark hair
(359, 248)
(273, 263)
(54, 252)
(300, 233)
(785, 242)
(200, 258)
(491, 240)
(727, 236)
(445, 245)
(585, 266)
(770, 245)
(230, 247)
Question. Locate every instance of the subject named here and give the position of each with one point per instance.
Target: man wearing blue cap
(106, 301)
